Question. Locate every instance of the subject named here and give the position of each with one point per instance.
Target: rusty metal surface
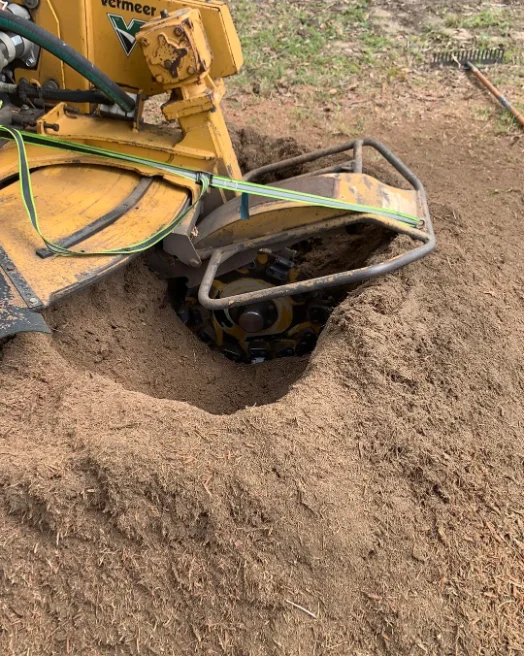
(15, 316)
(19, 282)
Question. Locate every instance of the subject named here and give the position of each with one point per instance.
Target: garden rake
(469, 60)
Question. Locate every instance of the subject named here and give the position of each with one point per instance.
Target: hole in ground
(125, 329)
(288, 326)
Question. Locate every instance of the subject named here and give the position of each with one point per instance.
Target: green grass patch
(292, 44)
(496, 19)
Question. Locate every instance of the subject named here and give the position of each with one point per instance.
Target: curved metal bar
(324, 282)
(406, 173)
(220, 256)
(427, 236)
(297, 161)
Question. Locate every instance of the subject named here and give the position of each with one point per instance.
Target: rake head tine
(469, 56)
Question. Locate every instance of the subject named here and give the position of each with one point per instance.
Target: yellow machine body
(183, 48)
(73, 193)
(97, 29)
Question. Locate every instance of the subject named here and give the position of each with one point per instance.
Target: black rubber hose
(59, 48)
(68, 95)
(26, 90)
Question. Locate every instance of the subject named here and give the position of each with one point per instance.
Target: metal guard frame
(423, 234)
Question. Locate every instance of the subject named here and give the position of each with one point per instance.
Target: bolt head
(179, 31)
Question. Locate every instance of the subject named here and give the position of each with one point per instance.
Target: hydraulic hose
(26, 90)
(68, 55)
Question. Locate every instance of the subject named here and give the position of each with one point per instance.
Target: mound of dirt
(375, 508)
(256, 150)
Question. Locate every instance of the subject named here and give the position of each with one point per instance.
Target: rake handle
(498, 95)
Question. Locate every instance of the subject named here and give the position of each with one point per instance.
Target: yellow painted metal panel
(104, 30)
(68, 198)
(269, 216)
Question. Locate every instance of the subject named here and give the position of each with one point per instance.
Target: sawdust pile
(369, 503)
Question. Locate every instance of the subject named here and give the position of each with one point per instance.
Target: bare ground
(157, 499)
(366, 502)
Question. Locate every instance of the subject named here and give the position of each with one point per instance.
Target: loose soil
(157, 499)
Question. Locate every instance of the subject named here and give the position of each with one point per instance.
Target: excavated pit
(126, 329)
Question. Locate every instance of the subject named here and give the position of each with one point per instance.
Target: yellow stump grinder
(86, 184)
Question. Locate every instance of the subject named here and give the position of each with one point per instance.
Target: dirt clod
(255, 150)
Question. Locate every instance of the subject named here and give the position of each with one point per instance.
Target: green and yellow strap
(26, 190)
(204, 179)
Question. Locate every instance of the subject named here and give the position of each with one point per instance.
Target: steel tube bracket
(423, 234)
